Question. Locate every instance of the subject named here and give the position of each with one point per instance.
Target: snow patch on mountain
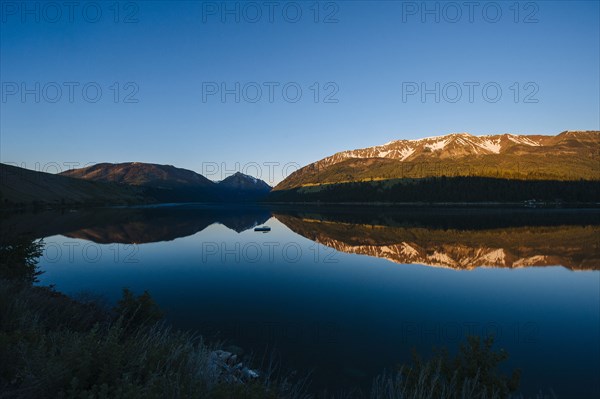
(452, 146)
(522, 140)
(491, 145)
(407, 152)
(408, 250)
(493, 257)
(530, 261)
(440, 258)
(438, 145)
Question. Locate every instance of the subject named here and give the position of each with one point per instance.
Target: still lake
(346, 292)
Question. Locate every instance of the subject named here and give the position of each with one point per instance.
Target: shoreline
(441, 204)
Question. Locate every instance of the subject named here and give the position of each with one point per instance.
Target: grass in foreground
(52, 346)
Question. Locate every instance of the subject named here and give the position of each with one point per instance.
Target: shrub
(18, 260)
(137, 312)
(472, 373)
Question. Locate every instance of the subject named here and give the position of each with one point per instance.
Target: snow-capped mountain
(570, 155)
(442, 147)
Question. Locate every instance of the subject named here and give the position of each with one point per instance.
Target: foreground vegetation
(472, 373)
(53, 346)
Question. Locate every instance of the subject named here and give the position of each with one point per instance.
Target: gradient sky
(369, 51)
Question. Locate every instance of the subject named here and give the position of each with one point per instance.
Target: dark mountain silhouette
(240, 181)
(241, 187)
(24, 187)
(166, 183)
(141, 174)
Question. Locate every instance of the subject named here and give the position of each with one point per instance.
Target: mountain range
(453, 168)
(570, 155)
(122, 184)
(165, 177)
(167, 183)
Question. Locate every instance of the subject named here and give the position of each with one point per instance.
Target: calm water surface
(349, 292)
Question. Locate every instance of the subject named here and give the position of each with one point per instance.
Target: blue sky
(361, 67)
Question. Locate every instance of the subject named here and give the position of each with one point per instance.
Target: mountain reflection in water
(134, 225)
(459, 239)
(452, 238)
(349, 319)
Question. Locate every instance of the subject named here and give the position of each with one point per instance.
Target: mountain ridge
(122, 184)
(140, 174)
(168, 183)
(568, 155)
(24, 187)
(160, 176)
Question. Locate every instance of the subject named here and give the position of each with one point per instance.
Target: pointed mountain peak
(242, 181)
